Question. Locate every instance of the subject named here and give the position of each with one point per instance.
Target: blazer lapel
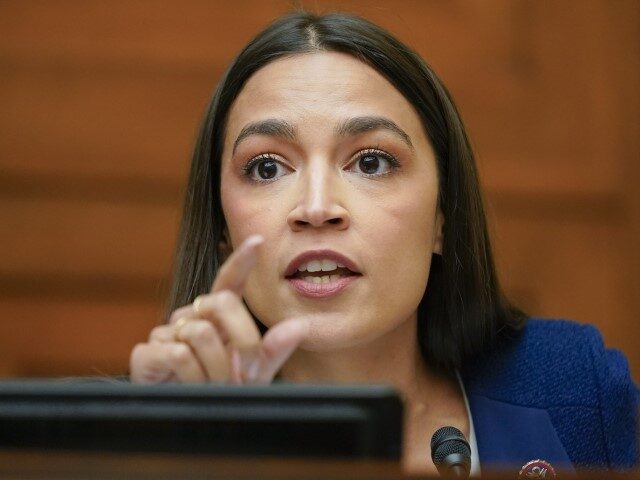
(510, 435)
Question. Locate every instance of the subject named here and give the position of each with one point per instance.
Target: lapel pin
(537, 469)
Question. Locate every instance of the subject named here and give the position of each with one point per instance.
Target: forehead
(318, 90)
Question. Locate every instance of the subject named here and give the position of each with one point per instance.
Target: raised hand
(215, 338)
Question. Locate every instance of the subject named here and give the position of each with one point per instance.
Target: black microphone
(451, 453)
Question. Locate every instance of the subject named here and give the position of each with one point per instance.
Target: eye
(373, 162)
(264, 168)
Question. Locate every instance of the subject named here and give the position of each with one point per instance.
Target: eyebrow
(275, 127)
(359, 125)
(272, 127)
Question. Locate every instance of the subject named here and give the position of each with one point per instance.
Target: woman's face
(328, 161)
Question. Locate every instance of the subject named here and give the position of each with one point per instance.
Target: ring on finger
(182, 321)
(196, 304)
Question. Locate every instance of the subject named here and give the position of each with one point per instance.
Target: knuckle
(175, 315)
(138, 354)
(225, 299)
(203, 330)
(157, 332)
(180, 354)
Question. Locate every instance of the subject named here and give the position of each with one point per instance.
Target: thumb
(277, 346)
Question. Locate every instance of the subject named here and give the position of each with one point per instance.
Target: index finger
(234, 272)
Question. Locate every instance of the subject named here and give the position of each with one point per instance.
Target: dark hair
(463, 308)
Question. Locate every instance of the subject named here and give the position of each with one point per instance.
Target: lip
(321, 290)
(320, 255)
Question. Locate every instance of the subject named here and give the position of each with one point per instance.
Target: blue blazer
(554, 393)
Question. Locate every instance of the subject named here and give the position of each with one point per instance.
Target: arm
(619, 399)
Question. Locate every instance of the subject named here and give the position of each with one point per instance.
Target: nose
(319, 203)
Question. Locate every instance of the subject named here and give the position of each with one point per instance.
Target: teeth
(322, 279)
(329, 265)
(319, 265)
(314, 266)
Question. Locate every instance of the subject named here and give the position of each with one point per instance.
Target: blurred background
(100, 102)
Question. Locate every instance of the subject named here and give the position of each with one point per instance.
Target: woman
(333, 188)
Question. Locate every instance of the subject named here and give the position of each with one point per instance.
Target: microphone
(451, 453)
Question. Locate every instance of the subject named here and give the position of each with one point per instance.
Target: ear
(438, 236)
(224, 248)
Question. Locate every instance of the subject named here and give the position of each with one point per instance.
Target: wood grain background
(100, 102)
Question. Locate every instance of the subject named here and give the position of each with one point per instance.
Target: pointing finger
(234, 272)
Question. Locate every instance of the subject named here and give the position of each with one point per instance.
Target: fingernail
(252, 371)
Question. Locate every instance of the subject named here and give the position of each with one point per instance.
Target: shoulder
(564, 368)
(541, 364)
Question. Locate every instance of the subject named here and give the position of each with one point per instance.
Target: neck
(431, 399)
(392, 359)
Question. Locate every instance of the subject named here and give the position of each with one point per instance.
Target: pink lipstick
(321, 273)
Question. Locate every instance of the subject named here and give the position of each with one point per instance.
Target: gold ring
(196, 304)
(182, 321)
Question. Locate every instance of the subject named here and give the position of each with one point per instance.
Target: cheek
(406, 221)
(404, 229)
(244, 216)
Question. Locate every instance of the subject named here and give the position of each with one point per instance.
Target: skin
(387, 222)
(315, 93)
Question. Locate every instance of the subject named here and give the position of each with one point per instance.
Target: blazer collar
(509, 436)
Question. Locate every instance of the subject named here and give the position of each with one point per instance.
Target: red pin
(537, 469)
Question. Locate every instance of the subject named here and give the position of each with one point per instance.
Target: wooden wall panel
(136, 34)
(100, 121)
(72, 336)
(46, 237)
(552, 265)
(101, 103)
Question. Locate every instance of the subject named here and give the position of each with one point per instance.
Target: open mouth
(324, 277)
(322, 274)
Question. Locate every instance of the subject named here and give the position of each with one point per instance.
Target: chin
(327, 333)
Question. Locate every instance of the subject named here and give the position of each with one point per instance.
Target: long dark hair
(463, 309)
